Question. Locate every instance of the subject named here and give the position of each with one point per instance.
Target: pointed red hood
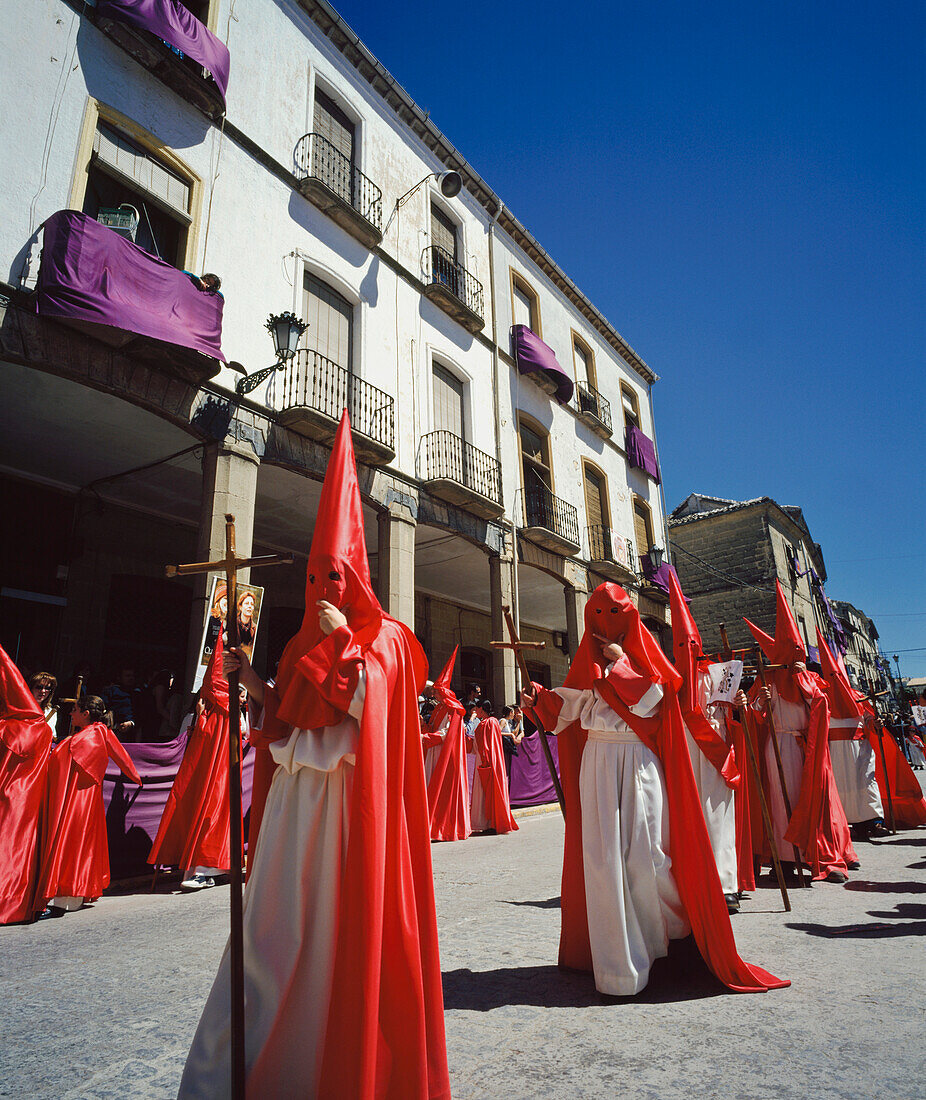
(787, 646)
(844, 702)
(610, 613)
(215, 686)
(441, 686)
(687, 647)
(22, 723)
(337, 571)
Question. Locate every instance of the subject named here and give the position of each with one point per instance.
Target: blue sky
(741, 189)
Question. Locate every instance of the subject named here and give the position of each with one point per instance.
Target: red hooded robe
(448, 790)
(491, 774)
(195, 826)
(611, 613)
(25, 738)
(385, 1030)
(75, 855)
(818, 824)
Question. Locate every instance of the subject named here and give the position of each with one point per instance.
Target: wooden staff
(757, 779)
(517, 645)
(760, 667)
(230, 565)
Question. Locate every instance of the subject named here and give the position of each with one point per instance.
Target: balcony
(456, 471)
(611, 555)
(593, 409)
(538, 361)
(336, 186)
(453, 288)
(169, 41)
(94, 280)
(316, 391)
(550, 522)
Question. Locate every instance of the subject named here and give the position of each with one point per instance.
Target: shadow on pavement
(863, 931)
(909, 909)
(887, 887)
(682, 976)
(550, 903)
(915, 841)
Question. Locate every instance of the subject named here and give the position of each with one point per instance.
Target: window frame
(605, 492)
(647, 515)
(627, 391)
(518, 280)
(591, 369)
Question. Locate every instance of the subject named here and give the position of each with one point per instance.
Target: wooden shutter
(443, 232)
(595, 507)
(642, 527)
(525, 307)
(448, 402)
(330, 319)
(334, 125)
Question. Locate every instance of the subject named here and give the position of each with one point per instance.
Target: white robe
(290, 924)
(716, 797)
(633, 904)
(854, 771)
(432, 754)
(791, 722)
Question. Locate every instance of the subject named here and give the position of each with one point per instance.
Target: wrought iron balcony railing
(543, 509)
(317, 159)
(444, 271)
(444, 455)
(589, 401)
(311, 381)
(604, 545)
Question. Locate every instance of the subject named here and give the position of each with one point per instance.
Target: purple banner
(133, 814)
(641, 452)
(659, 578)
(532, 354)
(530, 783)
(90, 273)
(170, 21)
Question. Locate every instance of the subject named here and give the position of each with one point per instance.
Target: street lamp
(286, 329)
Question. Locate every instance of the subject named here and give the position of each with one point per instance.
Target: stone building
(863, 659)
(728, 554)
(503, 426)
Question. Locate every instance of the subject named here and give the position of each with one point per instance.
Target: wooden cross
(518, 646)
(229, 565)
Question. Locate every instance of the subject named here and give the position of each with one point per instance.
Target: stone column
(576, 599)
(504, 668)
(396, 581)
(229, 485)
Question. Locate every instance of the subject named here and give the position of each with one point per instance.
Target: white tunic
(290, 923)
(791, 720)
(854, 771)
(433, 753)
(632, 899)
(716, 797)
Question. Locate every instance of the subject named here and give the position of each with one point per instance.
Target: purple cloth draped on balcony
(91, 273)
(172, 22)
(532, 354)
(530, 783)
(659, 578)
(641, 452)
(133, 814)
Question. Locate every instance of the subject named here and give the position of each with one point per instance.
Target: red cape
(745, 867)
(491, 773)
(75, 855)
(693, 864)
(195, 827)
(25, 739)
(448, 789)
(906, 793)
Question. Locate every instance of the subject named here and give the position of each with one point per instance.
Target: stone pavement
(103, 1003)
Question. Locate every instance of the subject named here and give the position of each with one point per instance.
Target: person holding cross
(342, 975)
(638, 869)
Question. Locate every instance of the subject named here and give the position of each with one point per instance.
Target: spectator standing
(43, 686)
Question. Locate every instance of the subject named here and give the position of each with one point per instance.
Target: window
(330, 317)
(536, 476)
(155, 201)
(334, 154)
(199, 8)
(524, 307)
(448, 402)
(642, 526)
(443, 232)
(584, 362)
(596, 511)
(475, 666)
(630, 406)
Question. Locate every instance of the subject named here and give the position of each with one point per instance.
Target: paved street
(103, 1003)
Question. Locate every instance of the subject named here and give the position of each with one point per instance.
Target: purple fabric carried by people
(90, 273)
(174, 24)
(133, 814)
(641, 451)
(530, 783)
(532, 354)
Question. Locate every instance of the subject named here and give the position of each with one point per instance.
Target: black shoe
(853, 865)
(51, 911)
(733, 903)
(837, 876)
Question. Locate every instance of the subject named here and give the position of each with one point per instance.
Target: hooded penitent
(818, 825)
(195, 826)
(610, 614)
(688, 651)
(385, 1026)
(448, 790)
(25, 738)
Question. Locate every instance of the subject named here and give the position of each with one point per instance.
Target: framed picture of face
(247, 610)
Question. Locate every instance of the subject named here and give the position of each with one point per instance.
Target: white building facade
(504, 428)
